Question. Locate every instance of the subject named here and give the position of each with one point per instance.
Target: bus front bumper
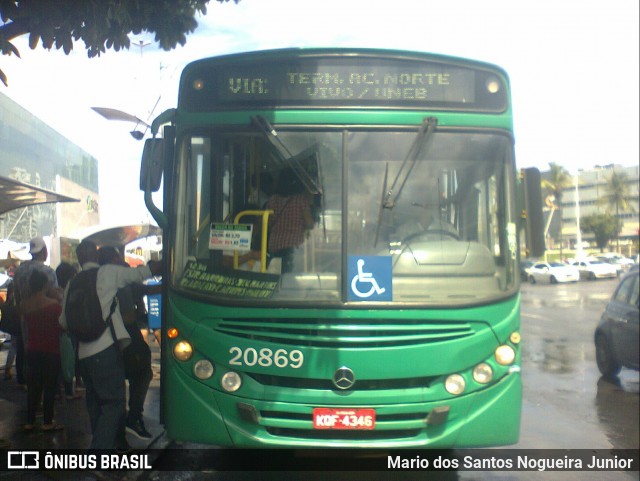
(197, 413)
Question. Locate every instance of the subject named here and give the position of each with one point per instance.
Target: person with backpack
(90, 313)
(136, 356)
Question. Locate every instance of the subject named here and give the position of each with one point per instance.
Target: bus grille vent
(365, 333)
(327, 384)
(355, 435)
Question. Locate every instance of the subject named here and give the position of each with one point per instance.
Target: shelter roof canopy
(15, 195)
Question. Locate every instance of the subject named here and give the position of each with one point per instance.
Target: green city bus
(395, 321)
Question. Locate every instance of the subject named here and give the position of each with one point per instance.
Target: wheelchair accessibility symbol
(370, 278)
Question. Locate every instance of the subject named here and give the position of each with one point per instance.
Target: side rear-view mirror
(534, 223)
(152, 165)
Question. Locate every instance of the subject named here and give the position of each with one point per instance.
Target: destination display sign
(340, 81)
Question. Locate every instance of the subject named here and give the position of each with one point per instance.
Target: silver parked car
(622, 264)
(552, 272)
(592, 269)
(616, 336)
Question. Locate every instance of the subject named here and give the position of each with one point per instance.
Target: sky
(573, 65)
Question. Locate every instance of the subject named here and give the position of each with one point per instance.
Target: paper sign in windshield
(200, 277)
(233, 237)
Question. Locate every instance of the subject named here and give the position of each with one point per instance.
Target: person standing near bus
(101, 360)
(42, 347)
(137, 355)
(65, 272)
(39, 254)
(291, 218)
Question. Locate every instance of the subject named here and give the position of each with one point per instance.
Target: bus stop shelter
(15, 195)
(118, 236)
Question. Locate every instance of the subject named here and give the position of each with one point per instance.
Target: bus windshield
(433, 208)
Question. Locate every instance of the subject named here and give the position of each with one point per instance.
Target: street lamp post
(578, 232)
(114, 114)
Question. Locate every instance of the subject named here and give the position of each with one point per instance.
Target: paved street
(567, 405)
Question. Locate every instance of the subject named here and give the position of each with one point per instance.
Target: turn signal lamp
(172, 333)
(515, 337)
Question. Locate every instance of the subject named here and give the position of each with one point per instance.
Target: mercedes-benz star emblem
(344, 378)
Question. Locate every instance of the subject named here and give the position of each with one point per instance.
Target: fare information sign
(236, 237)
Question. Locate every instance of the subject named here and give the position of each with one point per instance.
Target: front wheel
(553, 280)
(607, 364)
(532, 280)
(592, 276)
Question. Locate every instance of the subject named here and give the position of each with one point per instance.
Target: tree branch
(12, 30)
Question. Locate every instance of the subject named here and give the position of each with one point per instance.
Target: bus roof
(298, 52)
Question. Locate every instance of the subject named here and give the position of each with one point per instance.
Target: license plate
(344, 418)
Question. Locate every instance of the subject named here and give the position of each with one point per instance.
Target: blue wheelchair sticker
(369, 278)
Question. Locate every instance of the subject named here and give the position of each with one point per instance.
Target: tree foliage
(554, 183)
(604, 227)
(618, 193)
(100, 24)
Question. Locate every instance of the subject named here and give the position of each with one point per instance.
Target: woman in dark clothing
(65, 272)
(42, 346)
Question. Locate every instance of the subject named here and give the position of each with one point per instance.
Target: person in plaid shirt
(291, 218)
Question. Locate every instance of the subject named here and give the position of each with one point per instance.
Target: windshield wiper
(313, 187)
(289, 160)
(389, 200)
(426, 129)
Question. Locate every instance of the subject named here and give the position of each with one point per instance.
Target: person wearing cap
(39, 254)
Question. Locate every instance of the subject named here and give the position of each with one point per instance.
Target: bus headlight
(203, 369)
(182, 351)
(455, 384)
(482, 373)
(505, 355)
(231, 381)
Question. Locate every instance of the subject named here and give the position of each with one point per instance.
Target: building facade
(590, 193)
(34, 153)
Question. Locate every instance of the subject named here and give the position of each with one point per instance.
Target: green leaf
(33, 40)
(7, 48)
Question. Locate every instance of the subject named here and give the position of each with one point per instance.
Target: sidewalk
(73, 414)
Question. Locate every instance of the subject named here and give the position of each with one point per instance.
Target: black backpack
(9, 313)
(82, 309)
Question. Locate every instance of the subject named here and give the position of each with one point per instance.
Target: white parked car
(592, 269)
(552, 272)
(621, 263)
